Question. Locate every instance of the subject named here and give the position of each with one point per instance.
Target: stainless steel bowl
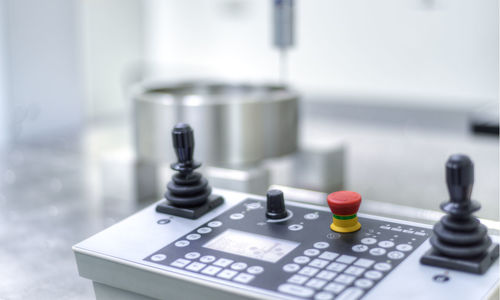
(234, 125)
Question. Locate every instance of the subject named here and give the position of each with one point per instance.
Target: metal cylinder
(234, 125)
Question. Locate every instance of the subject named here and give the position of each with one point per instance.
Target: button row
(352, 293)
(217, 268)
(421, 232)
(382, 251)
(384, 244)
(197, 236)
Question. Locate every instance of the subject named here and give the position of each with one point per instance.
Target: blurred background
(377, 95)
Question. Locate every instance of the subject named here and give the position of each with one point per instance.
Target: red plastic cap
(344, 203)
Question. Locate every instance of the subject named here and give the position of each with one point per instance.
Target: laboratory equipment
(254, 247)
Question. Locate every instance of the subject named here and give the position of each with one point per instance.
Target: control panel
(236, 252)
(297, 256)
(204, 243)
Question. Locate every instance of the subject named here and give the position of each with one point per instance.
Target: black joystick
(188, 194)
(276, 205)
(460, 241)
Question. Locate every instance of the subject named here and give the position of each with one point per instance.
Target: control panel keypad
(344, 276)
(310, 262)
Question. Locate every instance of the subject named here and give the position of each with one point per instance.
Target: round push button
(291, 268)
(386, 244)
(359, 248)
(301, 260)
(344, 206)
(404, 247)
(193, 236)
(158, 257)
(382, 267)
(321, 245)
(181, 243)
(373, 275)
(311, 216)
(238, 266)
(214, 224)
(364, 283)
(395, 255)
(236, 216)
(204, 230)
(368, 241)
(295, 227)
(377, 251)
(192, 255)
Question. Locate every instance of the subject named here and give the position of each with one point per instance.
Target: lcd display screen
(251, 245)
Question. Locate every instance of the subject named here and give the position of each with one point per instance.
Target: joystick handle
(459, 178)
(183, 142)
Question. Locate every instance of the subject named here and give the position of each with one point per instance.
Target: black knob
(459, 178)
(183, 142)
(276, 205)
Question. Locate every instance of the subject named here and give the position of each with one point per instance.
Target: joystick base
(194, 212)
(477, 265)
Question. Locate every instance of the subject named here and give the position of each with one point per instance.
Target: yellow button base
(344, 226)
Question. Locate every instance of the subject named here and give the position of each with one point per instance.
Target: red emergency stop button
(344, 206)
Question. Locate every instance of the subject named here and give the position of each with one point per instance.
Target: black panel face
(300, 257)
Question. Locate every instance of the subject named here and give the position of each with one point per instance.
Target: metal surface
(235, 125)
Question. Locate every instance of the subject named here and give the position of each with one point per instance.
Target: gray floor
(50, 193)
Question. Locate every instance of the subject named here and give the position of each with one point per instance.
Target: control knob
(276, 205)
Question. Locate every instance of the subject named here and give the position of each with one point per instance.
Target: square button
(327, 275)
(223, 262)
(346, 259)
(244, 278)
(196, 266)
(316, 283)
(328, 255)
(363, 262)
(346, 279)
(227, 274)
(356, 271)
(318, 263)
(334, 287)
(180, 263)
(298, 279)
(336, 267)
(308, 271)
(211, 270)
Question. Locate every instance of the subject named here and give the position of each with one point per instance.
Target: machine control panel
(225, 245)
(297, 256)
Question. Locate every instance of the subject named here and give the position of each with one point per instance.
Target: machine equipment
(200, 243)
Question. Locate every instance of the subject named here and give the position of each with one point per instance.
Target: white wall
(113, 46)
(4, 132)
(413, 50)
(43, 68)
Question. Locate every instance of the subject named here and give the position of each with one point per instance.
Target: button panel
(322, 265)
